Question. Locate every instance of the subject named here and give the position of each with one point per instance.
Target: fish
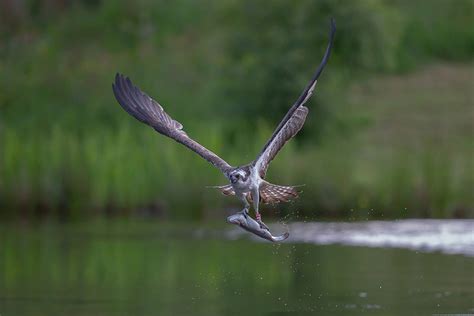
(249, 224)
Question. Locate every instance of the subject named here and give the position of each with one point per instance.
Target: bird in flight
(247, 182)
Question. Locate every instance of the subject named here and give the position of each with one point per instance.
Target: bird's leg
(245, 210)
(256, 200)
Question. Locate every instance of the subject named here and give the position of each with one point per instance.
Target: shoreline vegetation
(388, 135)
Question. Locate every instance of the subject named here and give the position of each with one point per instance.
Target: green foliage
(444, 30)
(228, 71)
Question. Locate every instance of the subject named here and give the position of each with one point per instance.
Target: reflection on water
(161, 269)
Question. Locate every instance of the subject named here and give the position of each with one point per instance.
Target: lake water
(153, 268)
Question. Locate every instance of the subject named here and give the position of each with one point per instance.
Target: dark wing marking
(291, 128)
(148, 111)
(308, 91)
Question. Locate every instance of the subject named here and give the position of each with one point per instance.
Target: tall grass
(117, 172)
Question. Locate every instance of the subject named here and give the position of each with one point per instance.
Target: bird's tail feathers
(269, 193)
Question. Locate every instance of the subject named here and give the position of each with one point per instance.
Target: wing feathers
(145, 109)
(308, 91)
(226, 189)
(289, 130)
(305, 95)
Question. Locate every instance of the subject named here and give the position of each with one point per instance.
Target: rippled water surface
(151, 268)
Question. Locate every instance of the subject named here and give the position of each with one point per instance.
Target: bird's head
(238, 175)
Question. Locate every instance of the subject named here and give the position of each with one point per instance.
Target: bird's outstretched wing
(145, 109)
(289, 130)
(294, 118)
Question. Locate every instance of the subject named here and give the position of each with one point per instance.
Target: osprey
(247, 182)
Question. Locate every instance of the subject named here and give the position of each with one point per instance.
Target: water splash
(446, 236)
